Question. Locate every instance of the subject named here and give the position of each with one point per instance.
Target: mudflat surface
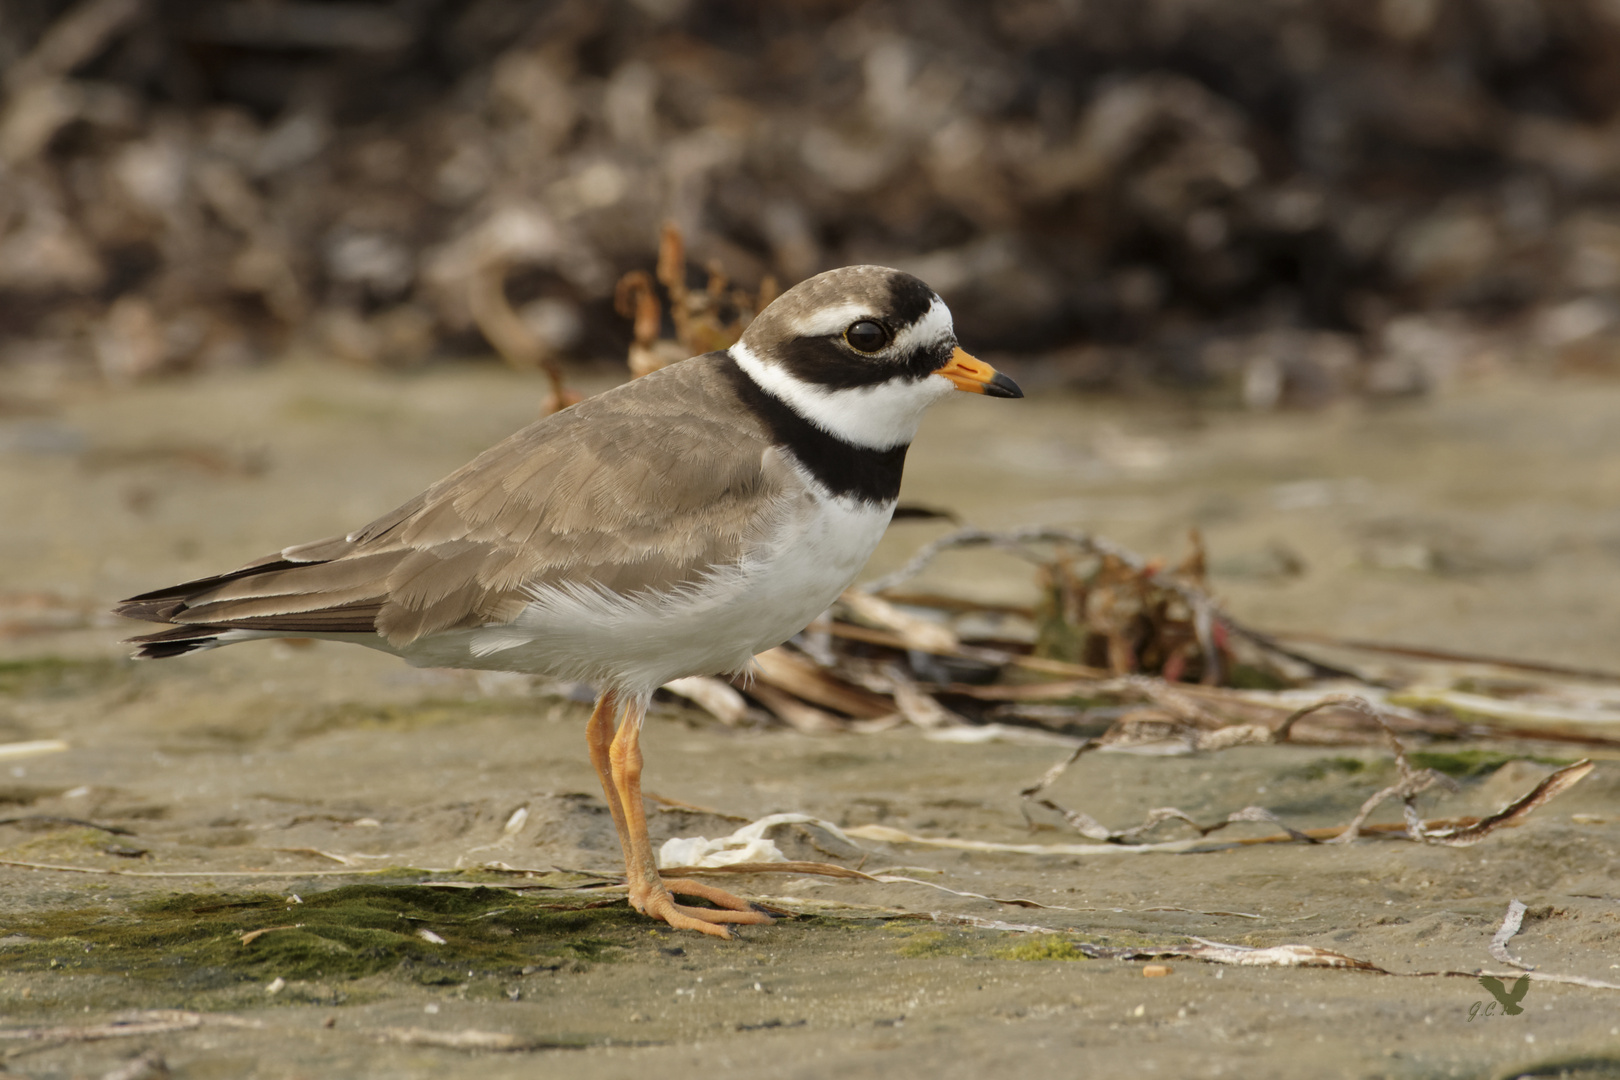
(264, 775)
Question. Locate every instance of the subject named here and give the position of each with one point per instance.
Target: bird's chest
(814, 555)
(778, 587)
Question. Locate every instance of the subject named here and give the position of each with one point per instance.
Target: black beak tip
(1001, 386)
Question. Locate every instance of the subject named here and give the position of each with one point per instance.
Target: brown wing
(645, 487)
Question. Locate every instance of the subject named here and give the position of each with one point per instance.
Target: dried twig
(53, 819)
(636, 299)
(818, 869)
(917, 633)
(468, 1039)
(513, 338)
(796, 674)
(1549, 789)
(147, 1022)
(1216, 952)
(1208, 620)
(1410, 784)
(1510, 926)
(1426, 652)
(714, 696)
(1523, 719)
(1272, 956)
(31, 747)
(795, 713)
(703, 321)
(1017, 541)
(889, 835)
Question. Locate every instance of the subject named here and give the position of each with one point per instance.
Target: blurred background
(1278, 201)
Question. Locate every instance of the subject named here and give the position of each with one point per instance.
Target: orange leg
(599, 737)
(650, 893)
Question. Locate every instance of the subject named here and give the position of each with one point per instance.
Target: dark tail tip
(175, 641)
(162, 650)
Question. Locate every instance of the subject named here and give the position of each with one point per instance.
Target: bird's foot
(656, 902)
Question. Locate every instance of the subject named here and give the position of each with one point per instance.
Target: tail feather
(177, 641)
(161, 605)
(261, 600)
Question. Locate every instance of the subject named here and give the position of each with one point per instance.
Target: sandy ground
(1485, 520)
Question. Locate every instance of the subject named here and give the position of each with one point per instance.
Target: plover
(676, 525)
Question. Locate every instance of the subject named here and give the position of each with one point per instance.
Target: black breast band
(858, 472)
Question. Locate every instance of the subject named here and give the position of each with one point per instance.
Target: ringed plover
(675, 525)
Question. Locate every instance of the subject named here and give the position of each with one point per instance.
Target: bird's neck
(845, 469)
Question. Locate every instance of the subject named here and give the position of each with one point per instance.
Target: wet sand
(1484, 520)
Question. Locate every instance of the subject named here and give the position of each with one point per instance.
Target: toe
(718, 897)
(750, 918)
(679, 921)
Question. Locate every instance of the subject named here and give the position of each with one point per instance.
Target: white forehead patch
(932, 329)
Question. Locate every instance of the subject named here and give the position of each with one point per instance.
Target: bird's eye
(866, 336)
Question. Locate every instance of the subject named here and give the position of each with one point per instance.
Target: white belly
(636, 644)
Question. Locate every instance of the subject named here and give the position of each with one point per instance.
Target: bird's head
(861, 352)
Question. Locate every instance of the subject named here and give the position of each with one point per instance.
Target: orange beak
(977, 377)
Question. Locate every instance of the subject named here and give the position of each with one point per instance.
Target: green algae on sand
(428, 935)
(1042, 947)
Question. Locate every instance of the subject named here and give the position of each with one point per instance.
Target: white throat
(878, 417)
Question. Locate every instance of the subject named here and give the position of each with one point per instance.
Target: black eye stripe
(824, 361)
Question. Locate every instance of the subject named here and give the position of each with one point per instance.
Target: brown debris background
(1291, 200)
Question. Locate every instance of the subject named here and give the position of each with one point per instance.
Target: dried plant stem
(1206, 612)
(1410, 784)
(517, 343)
(1510, 926)
(1448, 655)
